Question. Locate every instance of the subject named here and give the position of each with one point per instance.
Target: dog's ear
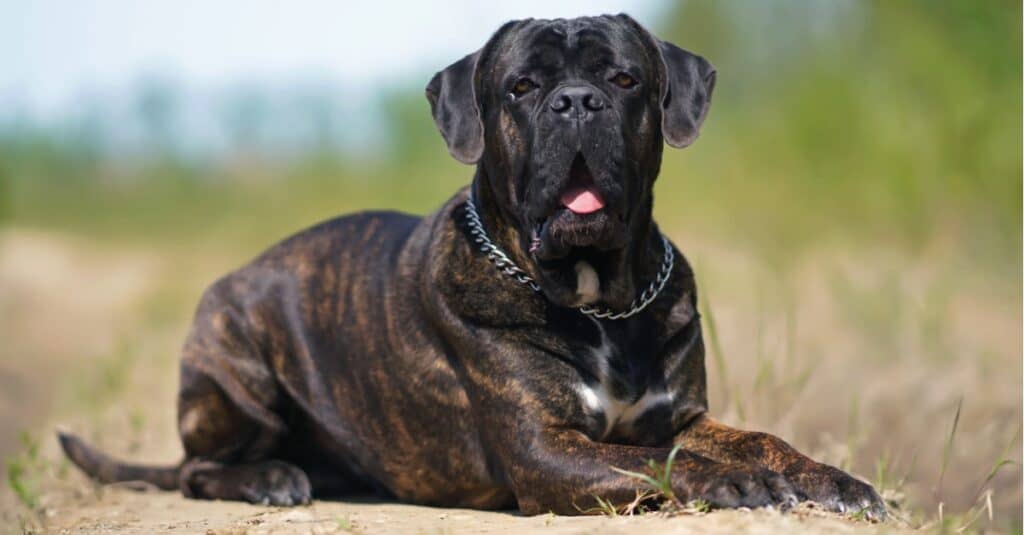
(455, 102)
(687, 81)
(685, 94)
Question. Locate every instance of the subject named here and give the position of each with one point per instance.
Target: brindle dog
(384, 352)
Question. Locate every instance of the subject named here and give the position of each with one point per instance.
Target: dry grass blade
(716, 345)
(609, 509)
(947, 453)
(606, 506)
(637, 505)
(999, 464)
(974, 513)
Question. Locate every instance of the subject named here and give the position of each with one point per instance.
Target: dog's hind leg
(228, 452)
(229, 448)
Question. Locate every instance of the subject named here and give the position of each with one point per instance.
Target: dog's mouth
(581, 195)
(580, 221)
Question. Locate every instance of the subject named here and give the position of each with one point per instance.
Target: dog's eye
(623, 80)
(522, 87)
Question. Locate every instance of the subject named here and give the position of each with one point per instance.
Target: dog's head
(565, 119)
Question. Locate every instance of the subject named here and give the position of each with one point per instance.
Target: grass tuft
(658, 483)
(659, 480)
(24, 471)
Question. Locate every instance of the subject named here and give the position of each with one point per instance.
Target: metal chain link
(508, 267)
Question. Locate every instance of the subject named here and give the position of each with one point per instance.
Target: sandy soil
(126, 511)
(58, 301)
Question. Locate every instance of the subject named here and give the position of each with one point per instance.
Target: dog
(518, 347)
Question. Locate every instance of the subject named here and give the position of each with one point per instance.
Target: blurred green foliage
(883, 120)
(897, 122)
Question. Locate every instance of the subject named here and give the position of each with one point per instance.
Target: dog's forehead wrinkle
(548, 42)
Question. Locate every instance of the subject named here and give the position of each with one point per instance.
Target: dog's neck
(620, 279)
(502, 224)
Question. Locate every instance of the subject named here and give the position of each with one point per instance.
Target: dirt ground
(131, 512)
(91, 334)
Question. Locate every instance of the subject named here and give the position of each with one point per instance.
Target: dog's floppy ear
(687, 81)
(685, 94)
(455, 102)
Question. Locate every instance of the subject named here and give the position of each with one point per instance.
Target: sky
(52, 51)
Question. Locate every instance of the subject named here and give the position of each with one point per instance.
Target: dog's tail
(106, 469)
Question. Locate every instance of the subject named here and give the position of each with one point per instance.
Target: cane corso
(508, 350)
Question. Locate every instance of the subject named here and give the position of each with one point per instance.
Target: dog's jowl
(505, 351)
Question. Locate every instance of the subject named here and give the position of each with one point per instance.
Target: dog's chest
(615, 399)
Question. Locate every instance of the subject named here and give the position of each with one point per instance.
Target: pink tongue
(582, 200)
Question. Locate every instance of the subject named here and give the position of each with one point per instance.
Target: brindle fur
(383, 352)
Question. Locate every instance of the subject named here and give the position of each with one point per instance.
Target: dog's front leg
(827, 485)
(562, 471)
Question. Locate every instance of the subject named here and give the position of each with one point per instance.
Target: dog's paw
(838, 491)
(276, 483)
(745, 487)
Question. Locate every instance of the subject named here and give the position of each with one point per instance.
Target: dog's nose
(576, 101)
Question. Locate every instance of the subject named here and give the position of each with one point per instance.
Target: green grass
(24, 471)
(659, 478)
(655, 486)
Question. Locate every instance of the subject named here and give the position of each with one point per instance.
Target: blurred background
(852, 210)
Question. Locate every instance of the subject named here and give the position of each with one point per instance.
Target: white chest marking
(617, 412)
(599, 398)
(588, 286)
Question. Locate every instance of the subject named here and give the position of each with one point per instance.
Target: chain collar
(508, 267)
